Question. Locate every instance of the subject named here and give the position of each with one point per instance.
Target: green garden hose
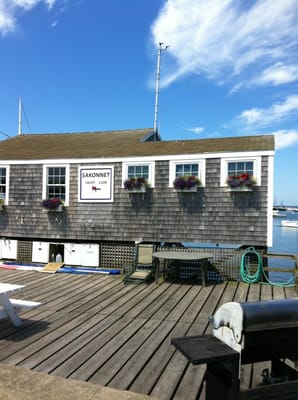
(245, 273)
(255, 277)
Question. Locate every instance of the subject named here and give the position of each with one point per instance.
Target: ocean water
(285, 241)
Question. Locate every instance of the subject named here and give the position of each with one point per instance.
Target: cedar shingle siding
(212, 215)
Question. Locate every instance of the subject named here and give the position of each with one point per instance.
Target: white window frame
(44, 181)
(7, 167)
(256, 160)
(201, 167)
(151, 170)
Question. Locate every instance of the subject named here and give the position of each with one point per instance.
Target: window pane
(2, 176)
(194, 169)
(138, 170)
(2, 182)
(187, 169)
(179, 170)
(231, 168)
(249, 167)
(130, 171)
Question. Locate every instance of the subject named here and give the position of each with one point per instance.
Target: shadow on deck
(93, 328)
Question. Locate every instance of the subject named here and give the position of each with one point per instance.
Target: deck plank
(106, 345)
(95, 328)
(72, 342)
(145, 380)
(137, 350)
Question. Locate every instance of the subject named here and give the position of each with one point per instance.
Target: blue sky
(89, 65)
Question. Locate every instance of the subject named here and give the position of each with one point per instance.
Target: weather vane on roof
(160, 49)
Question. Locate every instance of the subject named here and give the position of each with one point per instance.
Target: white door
(9, 248)
(72, 254)
(90, 255)
(40, 252)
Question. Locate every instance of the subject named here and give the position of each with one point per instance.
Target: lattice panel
(24, 251)
(115, 255)
(225, 263)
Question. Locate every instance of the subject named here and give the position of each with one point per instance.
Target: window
(187, 168)
(238, 166)
(56, 182)
(4, 173)
(138, 170)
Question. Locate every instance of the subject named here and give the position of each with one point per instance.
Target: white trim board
(169, 157)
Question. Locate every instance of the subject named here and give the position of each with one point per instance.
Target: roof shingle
(119, 144)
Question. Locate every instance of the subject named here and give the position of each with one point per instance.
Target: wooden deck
(94, 328)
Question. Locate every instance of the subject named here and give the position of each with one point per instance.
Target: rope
(249, 277)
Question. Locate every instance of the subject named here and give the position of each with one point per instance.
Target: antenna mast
(20, 116)
(157, 87)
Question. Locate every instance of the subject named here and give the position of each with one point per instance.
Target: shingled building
(103, 205)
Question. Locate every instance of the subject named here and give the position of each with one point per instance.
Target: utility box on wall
(72, 253)
(90, 255)
(40, 252)
(86, 255)
(8, 249)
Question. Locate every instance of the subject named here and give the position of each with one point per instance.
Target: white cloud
(197, 130)
(284, 138)
(262, 117)
(9, 10)
(274, 75)
(229, 38)
(279, 74)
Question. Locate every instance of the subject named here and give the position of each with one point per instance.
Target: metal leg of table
(204, 272)
(9, 310)
(157, 262)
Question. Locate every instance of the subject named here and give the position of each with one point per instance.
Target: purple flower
(186, 182)
(240, 180)
(234, 182)
(52, 204)
(135, 183)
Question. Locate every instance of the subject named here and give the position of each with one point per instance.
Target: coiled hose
(255, 277)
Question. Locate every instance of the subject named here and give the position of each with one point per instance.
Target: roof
(120, 144)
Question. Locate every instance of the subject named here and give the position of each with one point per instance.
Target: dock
(93, 328)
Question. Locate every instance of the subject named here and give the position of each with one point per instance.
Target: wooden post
(296, 273)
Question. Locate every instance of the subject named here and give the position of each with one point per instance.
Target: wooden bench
(10, 307)
(20, 305)
(13, 307)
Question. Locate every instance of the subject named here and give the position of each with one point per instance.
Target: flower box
(142, 189)
(186, 184)
(241, 183)
(240, 189)
(54, 204)
(194, 189)
(136, 185)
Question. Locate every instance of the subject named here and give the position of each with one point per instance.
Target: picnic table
(11, 307)
(168, 255)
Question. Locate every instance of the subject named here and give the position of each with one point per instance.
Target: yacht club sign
(96, 184)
